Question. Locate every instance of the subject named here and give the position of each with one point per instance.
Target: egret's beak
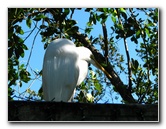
(99, 66)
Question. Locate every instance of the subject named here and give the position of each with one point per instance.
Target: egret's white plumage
(64, 67)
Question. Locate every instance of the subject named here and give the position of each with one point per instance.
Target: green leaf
(20, 51)
(21, 66)
(24, 47)
(94, 19)
(39, 17)
(122, 10)
(105, 10)
(24, 75)
(20, 40)
(45, 45)
(113, 19)
(98, 87)
(121, 58)
(74, 29)
(103, 17)
(147, 32)
(29, 22)
(19, 30)
(97, 17)
(43, 26)
(89, 24)
(138, 33)
(88, 30)
(120, 26)
(134, 39)
(66, 11)
(136, 64)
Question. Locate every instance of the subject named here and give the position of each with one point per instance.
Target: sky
(36, 60)
(72, 3)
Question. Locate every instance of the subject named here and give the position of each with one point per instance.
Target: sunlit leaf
(147, 32)
(113, 19)
(122, 10)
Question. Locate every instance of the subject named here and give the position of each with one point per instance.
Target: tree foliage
(128, 26)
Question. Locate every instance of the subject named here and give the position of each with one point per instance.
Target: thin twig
(72, 12)
(32, 48)
(30, 32)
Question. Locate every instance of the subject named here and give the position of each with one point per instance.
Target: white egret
(65, 66)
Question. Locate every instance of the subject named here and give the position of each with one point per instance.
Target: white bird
(65, 66)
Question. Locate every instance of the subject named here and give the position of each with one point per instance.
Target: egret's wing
(60, 72)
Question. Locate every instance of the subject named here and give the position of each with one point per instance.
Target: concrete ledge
(61, 111)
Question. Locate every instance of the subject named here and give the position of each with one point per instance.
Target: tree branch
(105, 42)
(127, 54)
(128, 64)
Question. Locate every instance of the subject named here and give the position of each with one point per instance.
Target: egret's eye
(88, 64)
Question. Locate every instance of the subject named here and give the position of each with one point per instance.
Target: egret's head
(86, 54)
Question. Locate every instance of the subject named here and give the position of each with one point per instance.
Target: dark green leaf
(24, 47)
(103, 17)
(24, 75)
(39, 17)
(10, 52)
(105, 10)
(134, 39)
(19, 30)
(29, 22)
(45, 45)
(43, 26)
(136, 64)
(97, 17)
(94, 19)
(66, 11)
(88, 30)
(124, 15)
(20, 51)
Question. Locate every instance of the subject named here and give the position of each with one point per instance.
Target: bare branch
(30, 33)
(105, 42)
(129, 65)
(127, 54)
